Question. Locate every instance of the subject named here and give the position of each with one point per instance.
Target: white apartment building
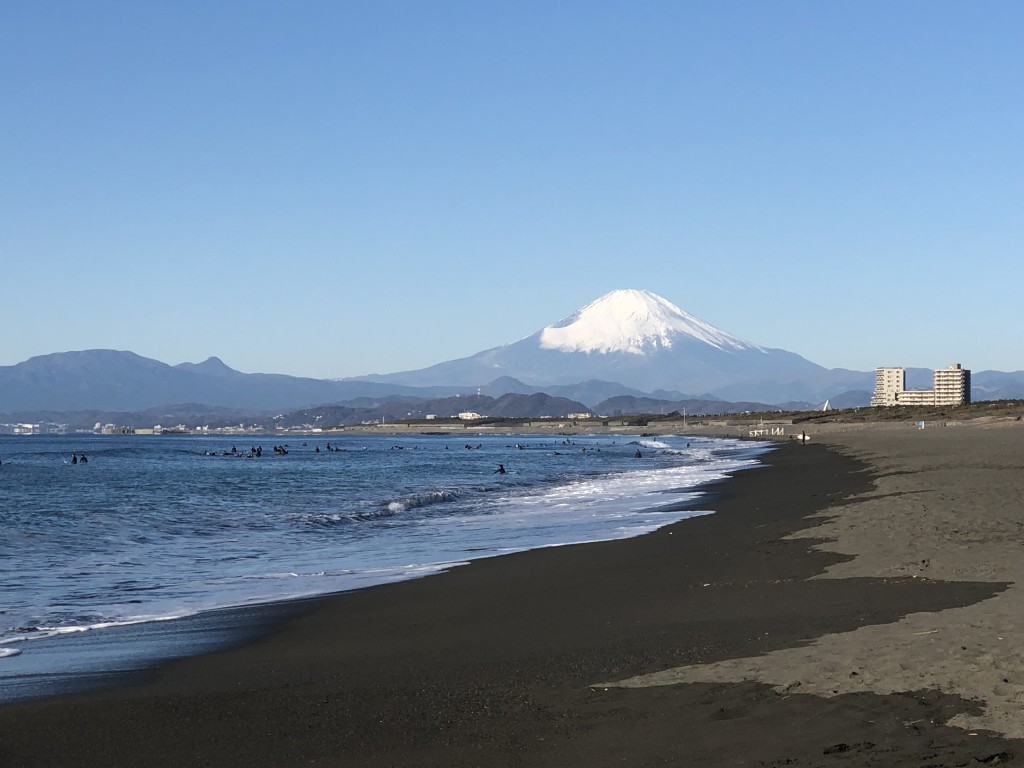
(952, 386)
(889, 382)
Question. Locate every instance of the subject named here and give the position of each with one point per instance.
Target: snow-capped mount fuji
(639, 340)
(635, 322)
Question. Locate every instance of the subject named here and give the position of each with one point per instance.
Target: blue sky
(339, 188)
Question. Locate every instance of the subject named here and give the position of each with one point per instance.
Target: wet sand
(853, 603)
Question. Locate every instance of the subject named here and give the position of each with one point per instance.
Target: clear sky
(338, 188)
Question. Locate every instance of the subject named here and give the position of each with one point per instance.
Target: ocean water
(154, 528)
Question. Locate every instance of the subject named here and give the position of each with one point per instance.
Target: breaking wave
(417, 500)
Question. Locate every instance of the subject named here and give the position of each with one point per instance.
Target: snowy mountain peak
(635, 322)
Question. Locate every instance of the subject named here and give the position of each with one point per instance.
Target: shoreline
(80, 660)
(495, 663)
(125, 655)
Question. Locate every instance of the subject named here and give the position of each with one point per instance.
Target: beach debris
(997, 759)
(789, 687)
(844, 747)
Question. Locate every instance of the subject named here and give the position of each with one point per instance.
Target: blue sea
(157, 528)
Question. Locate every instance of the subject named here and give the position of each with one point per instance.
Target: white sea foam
(653, 444)
(72, 629)
(7, 652)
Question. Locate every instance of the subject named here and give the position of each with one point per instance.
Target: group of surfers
(256, 451)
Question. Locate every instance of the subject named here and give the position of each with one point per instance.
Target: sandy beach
(854, 603)
(948, 505)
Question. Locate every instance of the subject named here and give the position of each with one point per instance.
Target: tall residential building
(952, 386)
(889, 382)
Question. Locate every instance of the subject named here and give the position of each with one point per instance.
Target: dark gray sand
(501, 663)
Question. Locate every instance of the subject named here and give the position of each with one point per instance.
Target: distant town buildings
(33, 429)
(952, 386)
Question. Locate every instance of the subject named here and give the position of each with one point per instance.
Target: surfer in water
(500, 470)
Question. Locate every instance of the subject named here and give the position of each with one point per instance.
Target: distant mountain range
(645, 344)
(640, 340)
(626, 350)
(123, 381)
